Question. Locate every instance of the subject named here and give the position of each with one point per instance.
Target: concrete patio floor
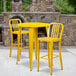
(8, 65)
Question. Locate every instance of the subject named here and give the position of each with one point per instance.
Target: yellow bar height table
(33, 34)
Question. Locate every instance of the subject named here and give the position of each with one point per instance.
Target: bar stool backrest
(55, 30)
(13, 23)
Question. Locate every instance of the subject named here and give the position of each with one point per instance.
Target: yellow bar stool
(15, 29)
(55, 32)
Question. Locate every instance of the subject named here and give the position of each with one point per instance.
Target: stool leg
(21, 44)
(38, 56)
(11, 45)
(60, 55)
(18, 53)
(51, 57)
(48, 53)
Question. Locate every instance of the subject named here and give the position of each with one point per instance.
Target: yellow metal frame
(54, 28)
(15, 29)
(33, 33)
